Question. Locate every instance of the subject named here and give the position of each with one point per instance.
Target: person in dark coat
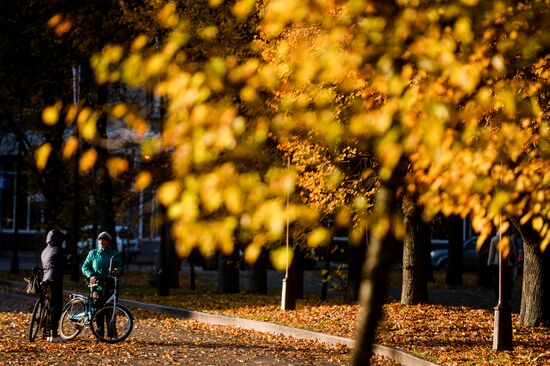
(53, 264)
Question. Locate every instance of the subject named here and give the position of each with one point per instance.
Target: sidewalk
(399, 356)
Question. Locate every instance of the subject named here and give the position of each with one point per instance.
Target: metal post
(502, 333)
(288, 300)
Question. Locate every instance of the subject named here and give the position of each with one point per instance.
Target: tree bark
(453, 228)
(162, 275)
(105, 191)
(356, 258)
(531, 312)
(228, 273)
(258, 274)
(380, 257)
(414, 288)
(298, 268)
(174, 262)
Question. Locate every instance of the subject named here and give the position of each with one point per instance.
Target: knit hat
(105, 236)
(55, 237)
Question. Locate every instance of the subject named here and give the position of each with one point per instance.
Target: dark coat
(53, 259)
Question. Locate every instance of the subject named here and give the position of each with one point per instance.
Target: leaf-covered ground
(448, 335)
(161, 340)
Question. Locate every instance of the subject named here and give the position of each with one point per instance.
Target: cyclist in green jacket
(96, 268)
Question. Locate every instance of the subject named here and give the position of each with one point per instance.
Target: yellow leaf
(318, 237)
(88, 129)
(233, 200)
(70, 147)
(168, 192)
(544, 243)
(242, 8)
(252, 252)
(41, 155)
(55, 20)
(139, 42)
(143, 180)
(538, 222)
(281, 258)
(463, 30)
(116, 166)
(87, 160)
(119, 110)
(71, 114)
(50, 115)
(175, 210)
(504, 246)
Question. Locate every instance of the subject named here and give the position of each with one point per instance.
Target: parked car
(470, 255)
(125, 239)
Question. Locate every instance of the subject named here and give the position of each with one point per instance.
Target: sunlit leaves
(143, 180)
(167, 16)
(41, 155)
(243, 8)
(87, 123)
(281, 258)
(252, 252)
(168, 192)
(60, 25)
(87, 160)
(442, 89)
(318, 237)
(116, 165)
(50, 115)
(70, 147)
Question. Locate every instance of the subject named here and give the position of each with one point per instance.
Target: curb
(402, 357)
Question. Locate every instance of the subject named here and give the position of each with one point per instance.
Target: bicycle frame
(88, 311)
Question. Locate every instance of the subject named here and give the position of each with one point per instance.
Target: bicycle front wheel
(112, 325)
(73, 319)
(36, 317)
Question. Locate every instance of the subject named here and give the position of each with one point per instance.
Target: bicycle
(81, 312)
(40, 317)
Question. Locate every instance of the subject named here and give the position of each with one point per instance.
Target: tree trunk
(105, 191)
(414, 288)
(75, 230)
(258, 274)
(356, 259)
(228, 273)
(380, 258)
(162, 275)
(453, 228)
(174, 262)
(17, 193)
(546, 287)
(325, 274)
(298, 268)
(531, 313)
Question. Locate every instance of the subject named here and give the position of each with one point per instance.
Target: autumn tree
(447, 97)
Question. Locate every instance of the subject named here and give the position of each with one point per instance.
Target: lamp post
(502, 333)
(288, 298)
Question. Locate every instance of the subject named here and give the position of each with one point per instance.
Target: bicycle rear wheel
(111, 324)
(73, 319)
(36, 317)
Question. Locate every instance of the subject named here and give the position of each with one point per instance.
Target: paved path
(159, 340)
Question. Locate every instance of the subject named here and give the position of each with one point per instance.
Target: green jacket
(97, 263)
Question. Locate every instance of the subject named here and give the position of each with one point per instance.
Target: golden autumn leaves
(84, 121)
(420, 84)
